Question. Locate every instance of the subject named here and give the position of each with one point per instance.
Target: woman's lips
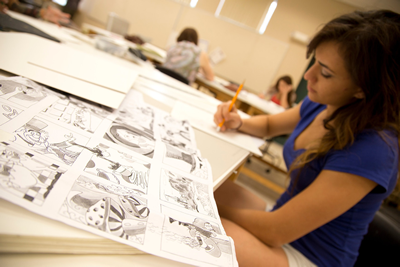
(310, 89)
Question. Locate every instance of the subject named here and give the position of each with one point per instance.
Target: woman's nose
(309, 75)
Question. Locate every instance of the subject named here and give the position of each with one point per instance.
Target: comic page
(133, 175)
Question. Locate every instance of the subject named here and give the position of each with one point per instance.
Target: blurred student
(186, 58)
(281, 93)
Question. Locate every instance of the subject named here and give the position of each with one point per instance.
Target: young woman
(282, 93)
(186, 58)
(342, 154)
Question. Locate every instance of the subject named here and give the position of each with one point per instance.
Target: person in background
(282, 93)
(186, 58)
(342, 154)
(47, 12)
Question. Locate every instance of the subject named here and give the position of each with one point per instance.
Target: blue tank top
(337, 242)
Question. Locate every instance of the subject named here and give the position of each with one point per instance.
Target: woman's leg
(252, 252)
(233, 195)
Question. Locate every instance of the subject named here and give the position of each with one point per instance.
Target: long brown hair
(369, 43)
(288, 80)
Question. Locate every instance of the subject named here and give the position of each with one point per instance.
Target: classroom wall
(260, 59)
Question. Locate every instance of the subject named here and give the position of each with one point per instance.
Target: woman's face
(328, 81)
(283, 87)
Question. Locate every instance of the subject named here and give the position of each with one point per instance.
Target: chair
(382, 241)
(116, 24)
(281, 139)
(173, 74)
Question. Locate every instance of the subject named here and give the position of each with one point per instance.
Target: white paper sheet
(133, 175)
(65, 68)
(204, 121)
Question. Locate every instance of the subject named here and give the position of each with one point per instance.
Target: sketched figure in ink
(24, 95)
(18, 175)
(124, 216)
(134, 138)
(186, 190)
(26, 177)
(34, 135)
(203, 235)
(135, 173)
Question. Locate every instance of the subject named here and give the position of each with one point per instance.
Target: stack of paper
(22, 231)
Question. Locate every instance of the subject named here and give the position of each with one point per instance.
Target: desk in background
(246, 101)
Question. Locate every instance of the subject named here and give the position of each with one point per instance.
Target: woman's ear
(359, 94)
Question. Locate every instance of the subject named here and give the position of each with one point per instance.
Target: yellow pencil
(231, 105)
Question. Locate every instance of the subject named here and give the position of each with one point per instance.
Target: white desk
(246, 101)
(152, 52)
(233, 157)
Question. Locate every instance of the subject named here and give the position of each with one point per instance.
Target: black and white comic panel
(113, 209)
(51, 140)
(8, 112)
(119, 167)
(24, 175)
(177, 133)
(186, 193)
(180, 147)
(21, 91)
(133, 136)
(77, 113)
(188, 162)
(197, 238)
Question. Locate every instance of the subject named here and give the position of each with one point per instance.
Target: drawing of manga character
(123, 216)
(136, 173)
(10, 112)
(190, 158)
(204, 236)
(66, 150)
(17, 174)
(186, 191)
(34, 135)
(176, 133)
(137, 139)
(26, 95)
(27, 176)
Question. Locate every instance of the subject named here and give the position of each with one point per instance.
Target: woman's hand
(261, 95)
(232, 118)
(285, 88)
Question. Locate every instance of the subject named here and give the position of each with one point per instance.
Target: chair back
(382, 241)
(172, 74)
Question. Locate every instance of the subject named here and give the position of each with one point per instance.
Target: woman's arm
(284, 100)
(330, 195)
(206, 67)
(261, 125)
(284, 91)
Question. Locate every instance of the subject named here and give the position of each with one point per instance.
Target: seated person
(282, 93)
(186, 58)
(342, 154)
(46, 12)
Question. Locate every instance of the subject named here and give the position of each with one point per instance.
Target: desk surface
(248, 98)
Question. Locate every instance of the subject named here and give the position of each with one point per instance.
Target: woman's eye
(326, 75)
